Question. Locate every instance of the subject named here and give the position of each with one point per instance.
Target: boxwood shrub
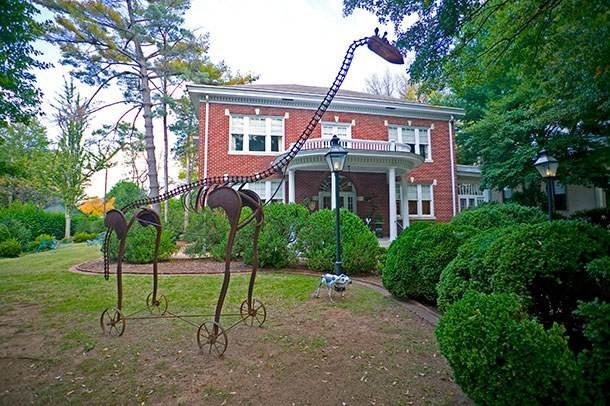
(140, 245)
(417, 257)
(207, 233)
(493, 215)
(82, 237)
(277, 239)
(599, 216)
(10, 248)
(500, 355)
(317, 241)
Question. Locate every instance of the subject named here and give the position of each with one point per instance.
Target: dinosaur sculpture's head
(382, 47)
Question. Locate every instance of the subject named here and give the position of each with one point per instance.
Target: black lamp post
(335, 157)
(547, 167)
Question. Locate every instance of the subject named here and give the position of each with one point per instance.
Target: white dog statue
(333, 282)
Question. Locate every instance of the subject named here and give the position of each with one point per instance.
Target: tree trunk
(68, 217)
(165, 151)
(188, 177)
(149, 139)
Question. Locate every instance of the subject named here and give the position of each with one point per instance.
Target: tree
(19, 96)
(76, 156)
(125, 192)
(386, 85)
(531, 74)
(96, 206)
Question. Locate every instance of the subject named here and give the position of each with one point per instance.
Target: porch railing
(356, 144)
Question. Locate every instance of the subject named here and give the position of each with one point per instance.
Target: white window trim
(399, 138)
(270, 186)
(418, 215)
(246, 135)
(335, 125)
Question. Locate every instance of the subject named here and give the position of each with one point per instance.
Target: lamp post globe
(335, 158)
(547, 166)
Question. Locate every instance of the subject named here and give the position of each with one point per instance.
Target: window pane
(237, 124)
(412, 192)
(425, 208)
(279, 195)
(258, 188)
(275, 143)
(393, 134)
(257, 125)
(413, 207)
(257, 142)
(277, 127)
(423, 136)
(327, 131)
(237, 142)
(342, 131)
(463, 204)
(423, 150)
(408, 135)
(425, 192)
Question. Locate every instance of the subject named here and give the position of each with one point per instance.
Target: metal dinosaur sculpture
(228, 193)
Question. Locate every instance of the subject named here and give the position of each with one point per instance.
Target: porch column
(291, 186)
(404, 201)
(333, 185)
(392, 202)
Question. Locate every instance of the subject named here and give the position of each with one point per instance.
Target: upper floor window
(256, 134)
(341, 130)
(420, 200)
(417, 138)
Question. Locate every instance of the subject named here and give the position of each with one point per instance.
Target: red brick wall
(371, 127)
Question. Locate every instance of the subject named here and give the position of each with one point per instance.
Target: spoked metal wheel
(211, 337)
(112, 322)
(157, 307)
(257, 314)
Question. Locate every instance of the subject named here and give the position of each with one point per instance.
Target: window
(560, 196)
(420, 200)
(269, 189)
(341, 130)
(256, 134)
(417, 138)
(470, 195)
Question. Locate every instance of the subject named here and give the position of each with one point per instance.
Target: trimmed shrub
(467, 271)
(82, 237)
(600, 216)
(317, 242)
(35, 219)
(500, 355)
(207, 234)
(278, 235)
(493, 215)
(417, 257)
(88, 224)
(10, 248)
(11, 228)
(140, 245)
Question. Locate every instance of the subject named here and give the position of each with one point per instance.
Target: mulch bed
(171, 267)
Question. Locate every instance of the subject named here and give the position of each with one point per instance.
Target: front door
(347, 200)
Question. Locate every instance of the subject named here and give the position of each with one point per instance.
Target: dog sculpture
(333, 283)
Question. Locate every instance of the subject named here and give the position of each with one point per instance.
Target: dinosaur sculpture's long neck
(280, 164)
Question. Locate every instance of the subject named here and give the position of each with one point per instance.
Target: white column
(333, 185)
(392, 203)
(404, 201)
(291, 186)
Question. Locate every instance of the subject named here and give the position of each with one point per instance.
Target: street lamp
(547, 167)
(335, 158)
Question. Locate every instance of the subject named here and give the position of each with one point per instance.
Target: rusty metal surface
(219, 192)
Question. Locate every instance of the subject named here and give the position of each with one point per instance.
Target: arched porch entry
(347, 194)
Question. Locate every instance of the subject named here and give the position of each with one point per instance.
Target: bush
(500, 355)
(125, 192)
(417, 257)
(278, 235)
(175, 218)
(11, 228)
(600, 216)
(88, 224)
(82, 237)
(35, 219)
(207, 234)
(317, 242)
(467, 271)
(10, 248)
(140, 245)
(499, 215)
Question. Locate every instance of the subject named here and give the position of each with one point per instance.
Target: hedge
(599, 216)
(501, 355)
(417, 257)
(493, 215)
(88, 224)
(140, 245)
(35, 219)
(316, 240)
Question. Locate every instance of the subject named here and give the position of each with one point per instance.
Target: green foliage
(500, 355)
(35, 219)
(43, 242)
(10, 248)
(317, 242)
(278, 235)
(82, 237)
(125, 192)
(207, 234)
(175, 218)
(140, 245)
(11, 228)
(88, 224)
(492, 215)
(417, 257)
(595, 360)
(599, 216)
(467, 270)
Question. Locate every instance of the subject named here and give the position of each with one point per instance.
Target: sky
(282, 41)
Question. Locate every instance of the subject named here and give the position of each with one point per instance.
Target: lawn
(365, 349)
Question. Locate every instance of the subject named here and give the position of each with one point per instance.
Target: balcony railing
(356, 144)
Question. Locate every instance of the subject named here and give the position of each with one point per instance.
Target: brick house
(402, 155)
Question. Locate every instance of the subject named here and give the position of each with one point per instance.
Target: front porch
(373, 183)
